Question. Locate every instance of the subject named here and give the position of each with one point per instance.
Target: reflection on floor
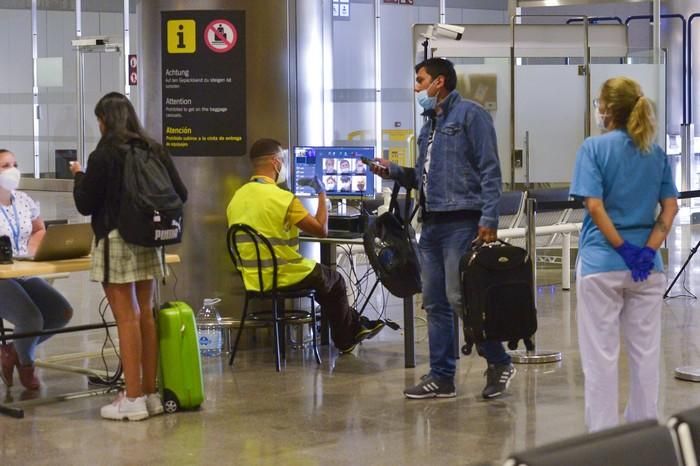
(350, 410)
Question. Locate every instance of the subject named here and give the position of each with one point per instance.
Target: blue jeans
(441, 247)
(32, 305)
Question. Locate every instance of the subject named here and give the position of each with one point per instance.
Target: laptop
(67, 241)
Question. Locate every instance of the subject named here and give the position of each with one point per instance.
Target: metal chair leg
(238, 334)
(314, 344)
(276, 330)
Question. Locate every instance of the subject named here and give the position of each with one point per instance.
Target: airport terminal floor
(350, 410)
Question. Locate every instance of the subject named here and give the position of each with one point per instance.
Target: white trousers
(607, 303)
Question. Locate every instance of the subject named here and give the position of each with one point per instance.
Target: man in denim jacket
(458, 179)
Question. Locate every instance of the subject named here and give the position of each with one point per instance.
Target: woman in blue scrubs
(622, 177)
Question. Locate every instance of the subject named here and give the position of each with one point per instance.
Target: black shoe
(498, 378)
(368, 329)
(431, 387)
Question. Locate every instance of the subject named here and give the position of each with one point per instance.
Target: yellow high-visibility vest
(263, 206)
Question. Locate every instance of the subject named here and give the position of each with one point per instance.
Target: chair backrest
(640, 444)
(510, 207)
(241, 233)
(546, 216)
(686, 427)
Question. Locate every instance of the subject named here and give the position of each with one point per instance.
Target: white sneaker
(154, 404)
(124, 408)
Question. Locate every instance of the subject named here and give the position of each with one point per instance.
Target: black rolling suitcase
(497, 296)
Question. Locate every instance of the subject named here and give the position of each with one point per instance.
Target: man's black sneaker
(368, 329)
(431, 387)
(498, 378)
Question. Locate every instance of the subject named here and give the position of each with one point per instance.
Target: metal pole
(566, 262)
(125, 51)
(527, 160)
(587, 61)
(512, 102)
(35, 92)
(443, 11)
(531, 241)
(378, 76)
(536, 356)
(656, 32)
(79, 91)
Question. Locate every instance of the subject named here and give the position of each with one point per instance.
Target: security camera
(90, 41)
(448, 30)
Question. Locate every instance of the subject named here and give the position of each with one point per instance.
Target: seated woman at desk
(31, 304)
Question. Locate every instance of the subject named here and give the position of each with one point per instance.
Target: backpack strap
(394, 205)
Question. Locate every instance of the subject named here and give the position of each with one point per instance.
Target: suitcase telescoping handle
(479, 245)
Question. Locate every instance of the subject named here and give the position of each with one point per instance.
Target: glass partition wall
(541, 96)
(41, 82)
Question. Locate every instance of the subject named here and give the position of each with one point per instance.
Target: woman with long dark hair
(130, 281)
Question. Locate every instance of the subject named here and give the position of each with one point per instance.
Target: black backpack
(497, 296)
(390, 245)
(150, 211)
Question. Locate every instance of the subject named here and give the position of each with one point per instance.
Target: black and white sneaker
(431, 387)
(498, 378)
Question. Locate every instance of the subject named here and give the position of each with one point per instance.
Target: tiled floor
(350, 410)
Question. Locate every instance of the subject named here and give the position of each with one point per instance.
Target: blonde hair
(630, 109)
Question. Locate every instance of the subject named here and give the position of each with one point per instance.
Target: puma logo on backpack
(150, 211)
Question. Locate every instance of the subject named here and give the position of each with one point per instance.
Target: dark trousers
(331, 294)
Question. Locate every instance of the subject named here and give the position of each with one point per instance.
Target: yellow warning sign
(182, 36)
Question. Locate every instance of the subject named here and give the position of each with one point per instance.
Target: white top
(22, 211)
(426, 167)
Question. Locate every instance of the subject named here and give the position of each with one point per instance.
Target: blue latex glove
(644, 265)
(629, 253)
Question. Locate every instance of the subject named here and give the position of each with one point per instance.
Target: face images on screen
(360, 167)
(331, 183)
(359, 184)
(329, 166)
(347, 166)
(345, 184)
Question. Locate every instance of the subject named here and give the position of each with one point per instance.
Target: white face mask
(282, 173)
(9, 179)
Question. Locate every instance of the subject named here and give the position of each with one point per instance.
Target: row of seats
(512, 214)
(644, 443)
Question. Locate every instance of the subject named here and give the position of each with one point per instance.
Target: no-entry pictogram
(220, 36)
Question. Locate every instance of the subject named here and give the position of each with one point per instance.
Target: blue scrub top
(631, 184)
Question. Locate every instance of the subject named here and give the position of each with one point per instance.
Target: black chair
(686, 429)
(638, 444)
(279, 317)
(510, 208)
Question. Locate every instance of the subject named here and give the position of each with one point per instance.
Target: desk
(328, 257)
(32, 269)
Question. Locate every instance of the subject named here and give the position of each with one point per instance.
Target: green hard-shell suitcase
(180, 363)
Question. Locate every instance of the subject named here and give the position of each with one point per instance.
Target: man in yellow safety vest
(278, 215)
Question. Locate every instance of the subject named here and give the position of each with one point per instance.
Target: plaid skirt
(127, 262)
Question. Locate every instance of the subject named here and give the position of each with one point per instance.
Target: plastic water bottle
(209, 328)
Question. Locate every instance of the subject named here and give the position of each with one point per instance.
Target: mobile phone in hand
(368, 161)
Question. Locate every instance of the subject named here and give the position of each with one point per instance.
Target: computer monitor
(340, 169)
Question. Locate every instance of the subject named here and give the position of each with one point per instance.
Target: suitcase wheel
(467, 350)
(170, 404)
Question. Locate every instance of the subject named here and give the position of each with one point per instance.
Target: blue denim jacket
(465, 173)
